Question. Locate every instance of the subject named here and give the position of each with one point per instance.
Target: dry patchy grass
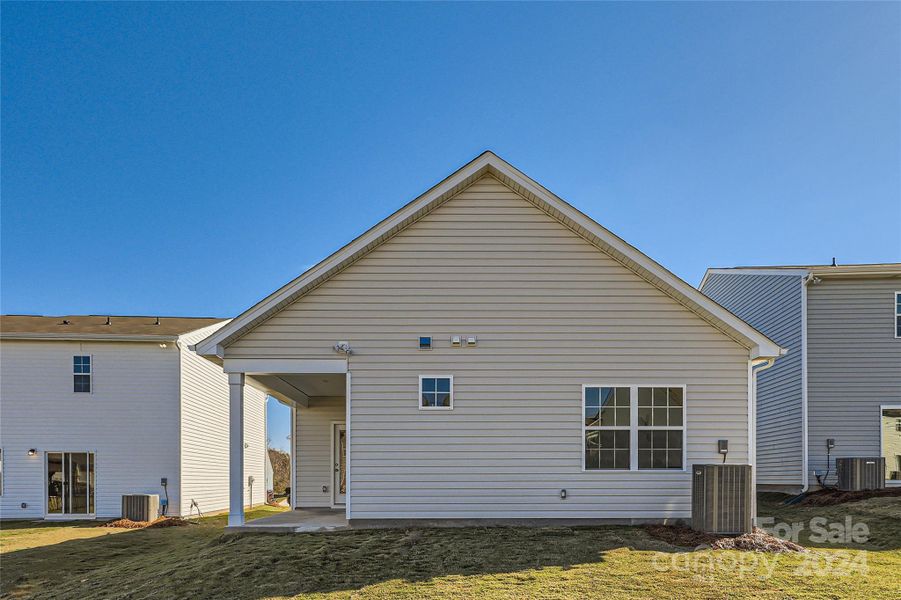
(610, 562)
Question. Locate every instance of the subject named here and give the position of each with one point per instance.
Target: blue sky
(191, 158)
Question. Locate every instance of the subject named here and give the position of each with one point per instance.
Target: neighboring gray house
(841, 378)
(94, 407)
(489, 352)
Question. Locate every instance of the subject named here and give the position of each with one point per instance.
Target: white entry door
(339, 461)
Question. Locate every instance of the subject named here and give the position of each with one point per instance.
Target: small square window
(425, 342)
(436, 392)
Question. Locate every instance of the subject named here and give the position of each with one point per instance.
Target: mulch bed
(158, 523)
(757, 541)
(681, 536)
(827, 497)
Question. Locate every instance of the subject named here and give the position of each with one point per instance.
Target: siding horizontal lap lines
(313, 460)
(551, 312)
(204, 433)
(854, 365)
(772, 305)
(130, 420)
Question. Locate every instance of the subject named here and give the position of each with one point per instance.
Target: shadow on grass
(202, 562)
(880, 516)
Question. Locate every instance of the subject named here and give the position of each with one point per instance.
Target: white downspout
(805, 465)
(753, 370)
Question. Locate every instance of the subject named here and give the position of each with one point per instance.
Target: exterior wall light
(32, 451)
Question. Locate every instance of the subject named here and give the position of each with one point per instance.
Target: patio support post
(236, 449)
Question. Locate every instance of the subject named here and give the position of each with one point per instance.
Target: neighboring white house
(94, 407)
(489, 352)
(841, 380)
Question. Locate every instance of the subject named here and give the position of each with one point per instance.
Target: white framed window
(607, 427)
(81, 373)
(661, 427)
(633, 427)
(436, 392)
(898, 314)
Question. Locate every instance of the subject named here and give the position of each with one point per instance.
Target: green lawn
(200, 561)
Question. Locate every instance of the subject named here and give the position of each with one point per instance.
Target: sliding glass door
(70, 483)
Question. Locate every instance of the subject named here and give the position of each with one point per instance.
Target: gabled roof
(100, 327)
(489, 163)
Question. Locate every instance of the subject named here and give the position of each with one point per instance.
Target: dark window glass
(608, 396)
(644, 416)
(675, 396)
(607, 449)
(675, 417)
(660, 449)
(435, 392)
(659, 396)
(644, 396)
(82, 383)
(674, 440)
(659, 417)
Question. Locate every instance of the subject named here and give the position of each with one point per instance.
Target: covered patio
(317, 391)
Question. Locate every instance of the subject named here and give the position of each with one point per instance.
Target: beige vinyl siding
(551, 312)
(204, 432)
(854, 365)
(314, 450)
(771, 303)
(130, 420)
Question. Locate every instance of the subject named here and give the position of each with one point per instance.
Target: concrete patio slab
(302, 520)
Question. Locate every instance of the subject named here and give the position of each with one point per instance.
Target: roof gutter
(87, 337)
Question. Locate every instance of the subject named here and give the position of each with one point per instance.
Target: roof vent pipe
(157, 321)
(108, 321)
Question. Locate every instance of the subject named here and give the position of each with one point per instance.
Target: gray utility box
(140, 507)
(721, 498)
(860, 473)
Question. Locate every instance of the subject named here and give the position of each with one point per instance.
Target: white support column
(236, 449)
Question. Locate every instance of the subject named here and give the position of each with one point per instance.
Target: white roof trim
(489, 163)
(87, 337)
(761, 271)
